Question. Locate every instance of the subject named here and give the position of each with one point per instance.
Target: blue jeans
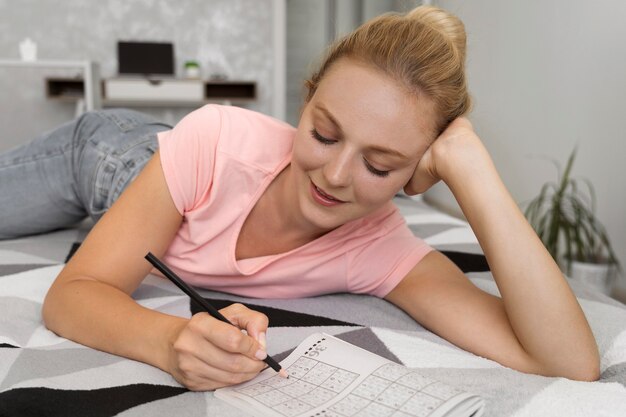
(74, 171)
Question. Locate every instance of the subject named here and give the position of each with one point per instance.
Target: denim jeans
(76, 170)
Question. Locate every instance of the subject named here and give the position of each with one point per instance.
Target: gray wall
(223, 35)
(307, 27)
(547, 76)
(312, 25)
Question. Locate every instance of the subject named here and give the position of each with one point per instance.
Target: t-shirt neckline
(249, 266)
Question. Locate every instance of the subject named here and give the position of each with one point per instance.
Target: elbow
(584, 369)
(53, 306)
(58, 304)
(587, 367)
(47, 309)
(588, 373)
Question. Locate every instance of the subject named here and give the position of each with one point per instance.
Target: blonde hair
(424, 50)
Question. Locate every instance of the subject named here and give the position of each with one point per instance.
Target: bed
(43, 374)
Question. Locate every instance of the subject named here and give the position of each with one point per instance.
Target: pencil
(169, 274)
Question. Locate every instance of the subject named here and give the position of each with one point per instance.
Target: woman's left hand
(446, 156)
(549, 336)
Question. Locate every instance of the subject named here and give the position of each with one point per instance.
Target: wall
(547, 76)
(234, 36)
(312, 25)
(307, 27)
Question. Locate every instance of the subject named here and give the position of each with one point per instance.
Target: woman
(239, 202)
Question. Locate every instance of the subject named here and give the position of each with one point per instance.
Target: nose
(338, 170)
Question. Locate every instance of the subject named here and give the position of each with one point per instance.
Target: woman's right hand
(201, 353)
(207, 353)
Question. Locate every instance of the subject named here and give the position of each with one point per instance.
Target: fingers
(209, 353)
(454, 145)
(419, 185)
(230, 339)
(224, 338)
(424, 177)
(460, 122)
(198, 375)
(253, 322)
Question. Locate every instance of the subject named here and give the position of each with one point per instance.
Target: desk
(91, 77)
(166, 92)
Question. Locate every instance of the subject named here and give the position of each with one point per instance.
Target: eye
(375, 171)
(320, 138)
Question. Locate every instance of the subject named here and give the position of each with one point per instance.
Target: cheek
(306, 155)
(371, 190)
(376, 191)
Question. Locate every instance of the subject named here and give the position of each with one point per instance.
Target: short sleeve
(377, 267)
(188, 154)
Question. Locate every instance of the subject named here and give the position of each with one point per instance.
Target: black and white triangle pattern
(42, 374)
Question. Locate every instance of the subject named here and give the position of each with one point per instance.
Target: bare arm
(90, 301)
(537, 325)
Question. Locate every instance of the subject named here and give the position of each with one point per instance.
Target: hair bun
(424, 50)
(443, 22)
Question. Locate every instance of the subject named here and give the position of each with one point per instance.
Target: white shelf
(91, 77)
(211, 91)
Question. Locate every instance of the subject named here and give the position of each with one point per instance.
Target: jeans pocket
(116, 170)
(103, 181)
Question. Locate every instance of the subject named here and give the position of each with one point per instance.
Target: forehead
(369, 103)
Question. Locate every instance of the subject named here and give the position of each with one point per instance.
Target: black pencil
(169, 274)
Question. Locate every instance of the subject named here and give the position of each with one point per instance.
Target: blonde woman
(236, 201)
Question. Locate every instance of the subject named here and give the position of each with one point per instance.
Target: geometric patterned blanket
(42, 374)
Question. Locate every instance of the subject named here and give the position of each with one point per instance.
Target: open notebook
(329, 377)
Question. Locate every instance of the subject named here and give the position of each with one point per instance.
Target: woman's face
(359, 140)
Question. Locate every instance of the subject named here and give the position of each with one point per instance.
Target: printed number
(315, 351)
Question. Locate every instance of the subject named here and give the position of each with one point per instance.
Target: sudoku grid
(392, 390)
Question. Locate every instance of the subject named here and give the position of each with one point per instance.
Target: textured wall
(231, 35)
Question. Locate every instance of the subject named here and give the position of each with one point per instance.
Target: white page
(335, 378)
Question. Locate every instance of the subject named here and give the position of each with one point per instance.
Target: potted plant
(563, 215)
(192, 69)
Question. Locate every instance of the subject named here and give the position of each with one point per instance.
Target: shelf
(69, 89)
(82, 91)
(226, 90)
(72, 89)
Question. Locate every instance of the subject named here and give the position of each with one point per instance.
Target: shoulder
(215, 120)
(384, 221)
(253, 137)
(241, 118)
(387, 250)
(245, 135)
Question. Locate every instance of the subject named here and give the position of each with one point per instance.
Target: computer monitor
(145, 58)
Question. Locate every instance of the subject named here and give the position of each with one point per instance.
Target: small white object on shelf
(28, 50)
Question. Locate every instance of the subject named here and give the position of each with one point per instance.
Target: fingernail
(260, 354)
(263, 340)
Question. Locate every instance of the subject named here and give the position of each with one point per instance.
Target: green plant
(563, 215)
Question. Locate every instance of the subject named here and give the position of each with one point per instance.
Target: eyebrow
(377, 149)
(330, 117)
(389, 151)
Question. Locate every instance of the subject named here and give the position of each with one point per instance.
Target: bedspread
(43, 374)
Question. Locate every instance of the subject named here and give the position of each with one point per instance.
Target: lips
(324, 198)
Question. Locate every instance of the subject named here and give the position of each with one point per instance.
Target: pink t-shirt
(218, 161)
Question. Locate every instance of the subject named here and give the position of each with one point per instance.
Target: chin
(325, 223)
(321, 218)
